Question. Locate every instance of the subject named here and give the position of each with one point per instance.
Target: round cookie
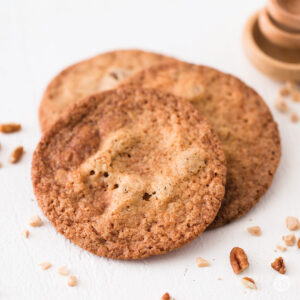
(91, 76)
(242, 121)
(130, 173)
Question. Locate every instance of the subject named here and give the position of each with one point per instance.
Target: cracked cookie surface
(91, 76)
(243, 122)
(130, 173)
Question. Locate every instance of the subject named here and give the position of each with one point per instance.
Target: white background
(38, 39)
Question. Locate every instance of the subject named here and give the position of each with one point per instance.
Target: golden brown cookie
(240, 117)
(130, 173)
(91, 76)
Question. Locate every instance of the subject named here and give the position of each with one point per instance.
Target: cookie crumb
(294, 118)
(35, 221)
(281, 248)
(25, 233)
(248, 283)
(298, 244)
(289, 239)
(279, 265)
(10, 127)
(292, 223)
(254, 230)
(16, 155)
(72, 280)
(201, 262)
(45, 265)
(63, 271)
(281, 105)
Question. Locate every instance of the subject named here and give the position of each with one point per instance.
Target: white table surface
(39, 38)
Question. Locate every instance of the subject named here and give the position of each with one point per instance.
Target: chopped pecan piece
(254, 230)
(284, 91)
(166, 296)
(10, 128)
(294, 118)
(281, 105)
(281, 248)
(16, 155)
(25, 233)
(289, 239)
(292, 223)
(45, 265)
(201, 262)
(35, 221)
(63, 271)
(248, 283)
(72, 280)
(238, 260)
(291, 85)
(295, 95)
(279, 265)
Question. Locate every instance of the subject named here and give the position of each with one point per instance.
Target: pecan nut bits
(249, 283)
(279, 265)
(166, 296)
(238, 260)
(10, 128)
(16, 155)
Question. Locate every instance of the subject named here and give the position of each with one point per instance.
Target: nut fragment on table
(10, 127)
(72, 280)
(249, 283)
(238, 260)
(298, 244)
(294, 118)
(254, 230)
(16, 155)
(63, 271)
(291, 85)
(25, 233)
(35, 221)
(45, 265)
(281, 105)
(289, 239)
(292, 223)
(295, 95)
(284, 91)
(201, 262)
(279, 265)
(281, 248)
(166, 296)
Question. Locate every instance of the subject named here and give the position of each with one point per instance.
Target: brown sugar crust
(130, 173)
(91, 76)
(242, 121)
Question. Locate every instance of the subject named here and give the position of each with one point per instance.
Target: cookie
(242, 121)
(130, 173)
(91, 76)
